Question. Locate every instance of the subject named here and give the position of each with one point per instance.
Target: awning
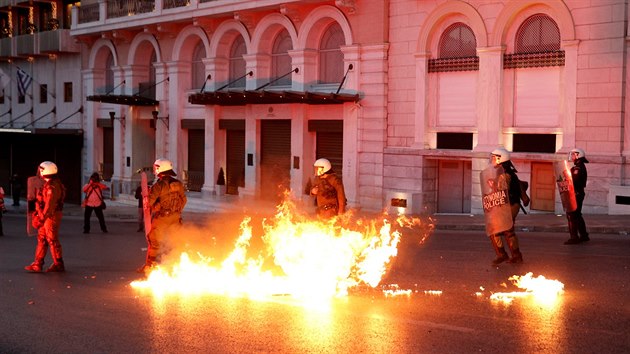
(134, 100)
(245, 97)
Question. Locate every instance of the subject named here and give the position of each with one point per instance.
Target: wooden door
(454, 186)
(543, 187)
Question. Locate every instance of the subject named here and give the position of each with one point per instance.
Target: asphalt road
(92, 308)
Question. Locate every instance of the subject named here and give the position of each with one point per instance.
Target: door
(235, 164)
(543, 187)
(275, 158)
(108, 153)
(454, 186)
(196, 158)
(329, 145)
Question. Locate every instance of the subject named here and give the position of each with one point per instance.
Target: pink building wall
(592, 93)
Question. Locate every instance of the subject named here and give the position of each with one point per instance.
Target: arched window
(280, 59)
(109, 73)
(147, 89)
(197, 67)
(537, 62)
(330, 55)
(457, 41)
(457, 68)
(538, 34)
(237, 62)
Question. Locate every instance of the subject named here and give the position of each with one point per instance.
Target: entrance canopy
(135, 100)
(245, 97)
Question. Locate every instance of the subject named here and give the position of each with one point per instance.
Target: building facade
(537, 77)
(406, 98)
(41, 111)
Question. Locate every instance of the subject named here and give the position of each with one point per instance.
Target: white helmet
(503, 154)
(162, 165)
(580, 153)
(47, 168)
(324, 164)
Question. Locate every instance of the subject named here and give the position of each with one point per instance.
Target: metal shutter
(108, 153)
(275, 157)
(329, 145)
(196, 159)
(235, 164)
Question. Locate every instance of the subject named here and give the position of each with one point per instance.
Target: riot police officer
(501, 157)
(579, 175)
(328, 190)
(167, 199)
(49, 211)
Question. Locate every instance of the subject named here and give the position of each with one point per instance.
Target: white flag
(23, 82)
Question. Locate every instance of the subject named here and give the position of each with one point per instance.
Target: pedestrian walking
(579, 175)
(94, 202)
(328, 190)
(167, 199)
(507, 180)
(138, 196)
(2, 210)
(47, 219)
(16, 189)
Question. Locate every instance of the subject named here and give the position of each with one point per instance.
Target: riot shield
(565, 185)
(146, 208)
(33, 185)
(495, 200)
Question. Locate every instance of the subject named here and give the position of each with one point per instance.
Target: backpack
(524, 197)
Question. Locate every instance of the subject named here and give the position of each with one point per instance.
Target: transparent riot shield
(495, 200)
(565, 185)
(33, 185)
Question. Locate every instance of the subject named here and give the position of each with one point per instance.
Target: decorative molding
(245, 19)
(349, 5)
(291, 12)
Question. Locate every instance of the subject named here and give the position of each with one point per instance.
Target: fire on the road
(544, 290)
(304, 258)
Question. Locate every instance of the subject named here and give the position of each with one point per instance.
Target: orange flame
(544, 290)
(302, 257)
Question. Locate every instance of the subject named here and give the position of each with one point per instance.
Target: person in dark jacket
(501, 157)
(328, 190)
(577, 226)
(16, 189)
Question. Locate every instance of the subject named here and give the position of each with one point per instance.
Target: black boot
(58, 266)
(581, 228)
(573, 232)
(502, 256)
(512, 241)
(517, 257)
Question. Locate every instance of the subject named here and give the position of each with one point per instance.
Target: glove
(37, 221)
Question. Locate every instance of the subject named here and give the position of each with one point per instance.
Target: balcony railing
(88, 13)
(56, 41)
(6, 47)
(122, 8)
(112, 9)
(171, 4)
(25, 45)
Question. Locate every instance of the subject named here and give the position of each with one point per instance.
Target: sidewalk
(197, 209)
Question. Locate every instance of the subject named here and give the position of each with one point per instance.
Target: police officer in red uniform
(167, 199)
(49, 207)
(328, 189)
(577, 226)
(501, 157)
